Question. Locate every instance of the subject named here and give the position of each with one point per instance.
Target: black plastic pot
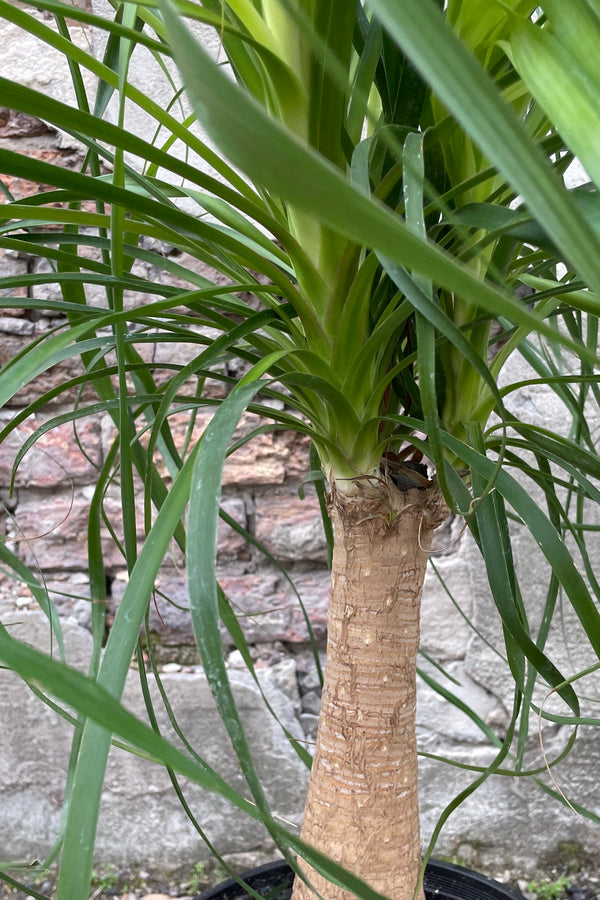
(443, 881)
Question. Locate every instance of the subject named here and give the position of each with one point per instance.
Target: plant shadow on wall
(402, 181)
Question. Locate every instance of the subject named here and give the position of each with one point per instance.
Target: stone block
(12, 265)
(438, 718)
(69, 593)
(444, 632)
(19, 125)
(489, 817)
(36, 64)
(311, 703)
(310, 724)
(291, 529)
(567, 645)
(71, 597)
(284, 675)
(141, 819)
(500, 823)
(160, 81)
(539, 403)
(308, 675)
(14, 325)
(34, 743)
(51, 291)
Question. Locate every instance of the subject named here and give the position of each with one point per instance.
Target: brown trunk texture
(362, 805)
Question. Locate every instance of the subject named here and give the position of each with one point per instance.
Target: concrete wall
(509, 822)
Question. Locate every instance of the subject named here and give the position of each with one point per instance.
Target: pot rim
(443, 881)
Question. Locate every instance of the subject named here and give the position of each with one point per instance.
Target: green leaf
(205, 496)
(414, 176)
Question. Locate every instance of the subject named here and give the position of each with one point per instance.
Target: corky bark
(362, 806)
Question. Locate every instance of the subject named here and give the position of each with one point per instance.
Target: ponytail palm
(381, 150)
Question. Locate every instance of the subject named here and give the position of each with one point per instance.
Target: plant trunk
(362, 806)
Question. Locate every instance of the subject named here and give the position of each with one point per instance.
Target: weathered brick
(269, 609)
(23, 187)
(262, 603)
(19, 125)
(267, 459)
(168, 610)
(255, 463)
(167, 356)
(297, 461)
(230, 544)
(11, 344)
(51, 531)
(313, 588)
(57, 459)
(266, 605)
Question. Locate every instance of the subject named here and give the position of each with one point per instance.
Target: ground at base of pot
(186, 883)
(122, 883)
